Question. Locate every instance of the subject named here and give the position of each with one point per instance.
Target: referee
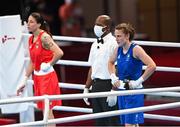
(98, 75)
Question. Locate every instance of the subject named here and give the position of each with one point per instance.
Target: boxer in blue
(130, 59)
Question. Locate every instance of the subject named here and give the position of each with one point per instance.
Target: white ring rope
(165, 94)
(49, 122)
(89, 110)
(86, 64)
(159, 44)
(162, 117)
(72, 86)
(114, 113)
(102, 114)
(81, 87)
(88, 95)
(90, 40)
(114, 93)
(73, 109)
(73, 63)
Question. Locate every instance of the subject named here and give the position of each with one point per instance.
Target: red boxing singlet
(46, 83)
(37, 53)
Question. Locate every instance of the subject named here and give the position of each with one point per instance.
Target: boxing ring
(165, 91)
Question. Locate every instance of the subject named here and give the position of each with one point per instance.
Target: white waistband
(51, 69)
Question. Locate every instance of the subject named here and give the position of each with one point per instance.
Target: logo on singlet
(128, 57)
(119, 56)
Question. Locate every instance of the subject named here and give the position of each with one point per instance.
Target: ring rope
(102, 114)
(114, 113)
(86, 64)
(89, 110)
(89, 95)
(81, 87)
(90, 40)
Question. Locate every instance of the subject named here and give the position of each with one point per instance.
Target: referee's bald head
(104, 20)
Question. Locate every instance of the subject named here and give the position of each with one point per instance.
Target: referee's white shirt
(98, 57)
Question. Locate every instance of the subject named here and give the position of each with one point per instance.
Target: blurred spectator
(48, 10)
(71, 15)
(37, 6)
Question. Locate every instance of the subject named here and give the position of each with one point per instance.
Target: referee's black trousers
(100, 104)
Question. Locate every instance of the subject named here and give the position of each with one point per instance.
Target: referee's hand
(86, 90)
